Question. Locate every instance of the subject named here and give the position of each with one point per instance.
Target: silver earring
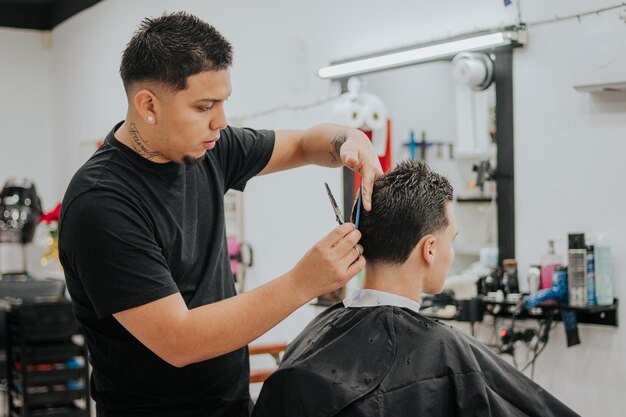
(150, 119)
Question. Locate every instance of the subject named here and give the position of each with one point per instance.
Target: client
(375, 354)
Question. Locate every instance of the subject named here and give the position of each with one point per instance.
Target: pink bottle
(549, 262)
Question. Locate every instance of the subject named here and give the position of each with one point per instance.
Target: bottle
(603, 272)
(549, 262)
(591, 280)
(533, 277)
(577, 270)
(510, 283)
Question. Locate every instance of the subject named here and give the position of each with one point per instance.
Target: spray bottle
(549, 262)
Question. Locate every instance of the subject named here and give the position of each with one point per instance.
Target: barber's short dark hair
(170, 48)
(408, 203)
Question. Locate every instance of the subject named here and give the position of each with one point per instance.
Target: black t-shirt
(133, 231)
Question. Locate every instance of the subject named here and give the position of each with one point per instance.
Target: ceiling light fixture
(424, 53)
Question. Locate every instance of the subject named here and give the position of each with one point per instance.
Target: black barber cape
(391, 361)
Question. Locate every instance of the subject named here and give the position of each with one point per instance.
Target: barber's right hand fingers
(338, 234)
(347, 240)
(331, 262)
(356, 266)
(346, 248)
(352, 255)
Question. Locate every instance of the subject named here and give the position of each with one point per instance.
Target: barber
(142, 235)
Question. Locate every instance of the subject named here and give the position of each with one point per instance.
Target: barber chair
(275, 350)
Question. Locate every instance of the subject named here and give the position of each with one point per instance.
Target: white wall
(569, 165)
(25, 118)
(568, 145)
(27, 142)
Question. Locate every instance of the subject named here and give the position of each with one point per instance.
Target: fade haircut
(408, 203)
(170, 48)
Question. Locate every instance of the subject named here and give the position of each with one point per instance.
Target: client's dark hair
(408, 203)
(170, 48)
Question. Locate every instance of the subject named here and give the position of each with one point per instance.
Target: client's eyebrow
(207, 100)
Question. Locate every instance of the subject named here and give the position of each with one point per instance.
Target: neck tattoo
(338, 140)
(140, 144)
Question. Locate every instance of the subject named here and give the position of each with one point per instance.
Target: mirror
(462, 133)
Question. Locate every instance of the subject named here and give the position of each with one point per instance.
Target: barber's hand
(330, 263)
(358, 154)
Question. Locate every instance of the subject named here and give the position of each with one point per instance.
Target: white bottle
(604, 272)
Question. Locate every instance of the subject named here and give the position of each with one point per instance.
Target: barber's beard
(190, 160)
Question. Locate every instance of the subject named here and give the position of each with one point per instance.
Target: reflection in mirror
(451, 127)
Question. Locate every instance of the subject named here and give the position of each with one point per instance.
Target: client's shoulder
(338, 326)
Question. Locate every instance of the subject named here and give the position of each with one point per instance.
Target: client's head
(412, 220)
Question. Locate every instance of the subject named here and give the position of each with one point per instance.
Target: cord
(493, 339)
(575, 16)
(532, 368)
(534, 359)
(542, 336)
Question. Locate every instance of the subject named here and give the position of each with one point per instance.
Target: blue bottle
(591, 279)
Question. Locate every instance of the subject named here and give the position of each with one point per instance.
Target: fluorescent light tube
(424, 53)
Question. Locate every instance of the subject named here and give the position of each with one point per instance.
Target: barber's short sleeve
(107, 243)
(243, 153)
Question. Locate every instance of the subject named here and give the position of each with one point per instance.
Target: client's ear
(429, 247)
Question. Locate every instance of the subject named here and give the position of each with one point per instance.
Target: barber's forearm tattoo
(338, 140)
(140, 144)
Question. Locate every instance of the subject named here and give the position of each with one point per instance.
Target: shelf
(52, 353)
(474, 199)
(430, 313)
(604, 315)
(50, 398)
(54, 376)
(552, 306)
(65, 411)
